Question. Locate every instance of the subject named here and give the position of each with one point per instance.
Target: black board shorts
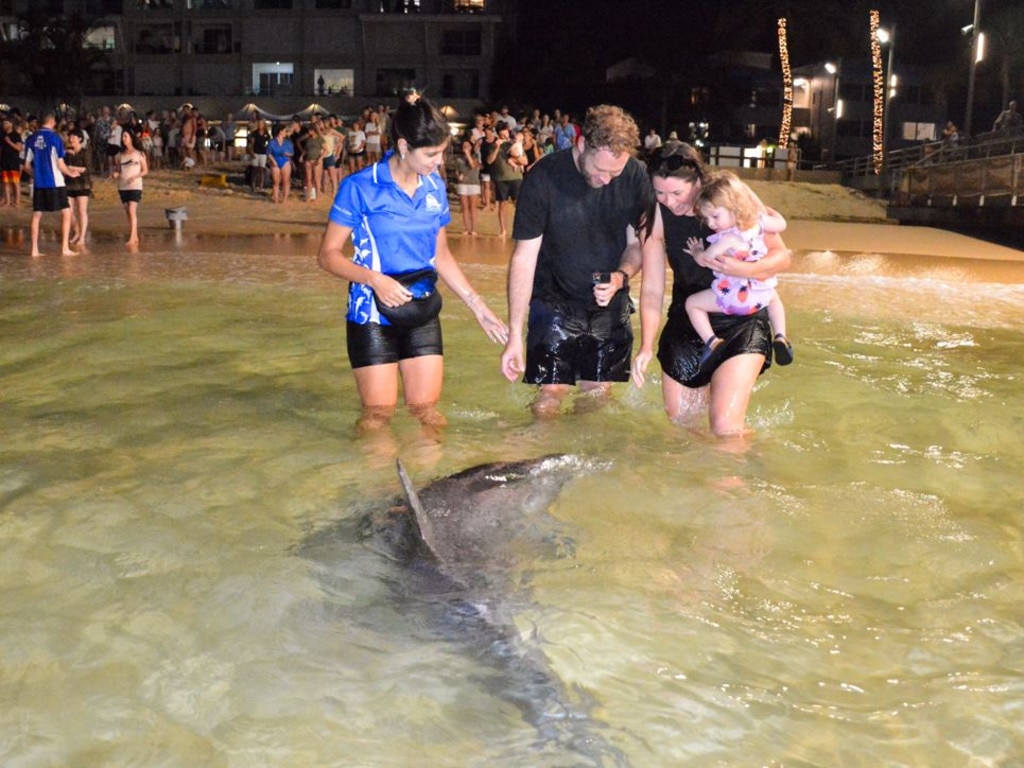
(378, 344)
(567, 342)
(49, 199)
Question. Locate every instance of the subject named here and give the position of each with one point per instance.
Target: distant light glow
(878, 84)
(787, 86)
(980, 55)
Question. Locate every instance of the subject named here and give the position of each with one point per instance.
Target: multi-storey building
(837, 107)
(280, 53)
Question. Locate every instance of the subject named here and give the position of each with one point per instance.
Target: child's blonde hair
(723, 189)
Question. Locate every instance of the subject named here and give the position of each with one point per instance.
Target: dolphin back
(489, 513)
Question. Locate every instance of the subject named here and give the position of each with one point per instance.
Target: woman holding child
(726, 387)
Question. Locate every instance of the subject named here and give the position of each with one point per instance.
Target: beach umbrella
(252, 108)
(312, 109)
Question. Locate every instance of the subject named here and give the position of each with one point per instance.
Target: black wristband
(625, 277)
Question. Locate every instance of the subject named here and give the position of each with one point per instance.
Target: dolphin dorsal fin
(423, 522)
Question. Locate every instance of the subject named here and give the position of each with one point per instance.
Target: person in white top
(356, 139)
(113, 147)
(131, 167)
(373, 143)
(652, 143)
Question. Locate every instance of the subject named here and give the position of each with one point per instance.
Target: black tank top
(688, 277)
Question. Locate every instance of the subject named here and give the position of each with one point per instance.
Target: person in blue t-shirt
(44, 160)
(396, 213)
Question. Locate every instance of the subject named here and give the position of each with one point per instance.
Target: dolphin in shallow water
(464, 543)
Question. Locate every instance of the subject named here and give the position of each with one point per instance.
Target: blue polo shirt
(43, 149)
(391, 232)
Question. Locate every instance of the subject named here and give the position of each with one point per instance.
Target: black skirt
(680, 348)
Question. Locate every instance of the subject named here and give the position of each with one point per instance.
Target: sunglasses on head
(675, 162)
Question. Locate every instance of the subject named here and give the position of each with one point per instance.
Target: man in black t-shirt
(576, 248)
(259, 138)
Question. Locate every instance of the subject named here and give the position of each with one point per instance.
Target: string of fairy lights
(787, 86)
(877, 82)
(878, 85)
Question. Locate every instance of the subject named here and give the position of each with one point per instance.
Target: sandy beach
(821, 216)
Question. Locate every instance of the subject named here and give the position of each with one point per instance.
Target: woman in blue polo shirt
(396, 212)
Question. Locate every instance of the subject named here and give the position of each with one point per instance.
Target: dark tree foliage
(50, 61)
(564, 49)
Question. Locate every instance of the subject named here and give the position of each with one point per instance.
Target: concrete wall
(780, 174)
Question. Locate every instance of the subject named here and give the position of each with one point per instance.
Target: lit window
(103, 38)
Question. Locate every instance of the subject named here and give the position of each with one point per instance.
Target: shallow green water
(174, 425)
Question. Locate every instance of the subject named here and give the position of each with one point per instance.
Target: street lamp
(837, 104)
(975, 57)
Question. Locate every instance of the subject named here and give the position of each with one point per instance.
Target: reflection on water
(176, 424)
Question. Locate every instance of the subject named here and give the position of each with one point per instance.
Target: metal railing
(934, 153)
(990, 168)
(998, 179)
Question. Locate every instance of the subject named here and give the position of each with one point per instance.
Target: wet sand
(822, 217)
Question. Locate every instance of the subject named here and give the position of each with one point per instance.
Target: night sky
(566, 45)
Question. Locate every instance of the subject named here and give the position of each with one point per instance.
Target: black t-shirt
(81, 159)
(583, 228)
(259, 142)
(486, 148)
(10, 159)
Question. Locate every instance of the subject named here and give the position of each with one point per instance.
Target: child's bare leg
(777, 314)
(698, 307)
(780, 343)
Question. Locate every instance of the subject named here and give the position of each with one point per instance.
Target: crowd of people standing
(589, 215)
(311, 152)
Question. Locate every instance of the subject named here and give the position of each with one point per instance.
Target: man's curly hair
(611, 128)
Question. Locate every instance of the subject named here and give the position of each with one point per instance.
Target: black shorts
(567, 342)
(113, 150)
(507, 190)
(130, 195)
(376, 344)
(79, 193)
(680, 348)
(49, 198)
